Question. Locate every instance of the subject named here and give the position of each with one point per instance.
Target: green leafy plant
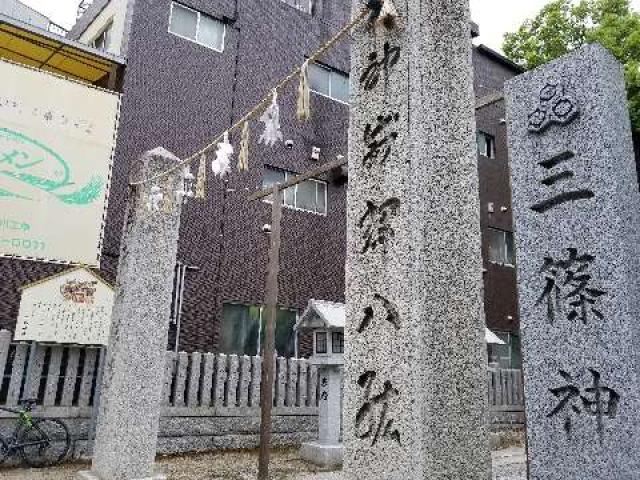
(564, 25)
(26, 419)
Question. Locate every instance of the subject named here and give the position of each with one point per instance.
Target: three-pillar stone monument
(415, 362)
(129, 412)
(577, 215)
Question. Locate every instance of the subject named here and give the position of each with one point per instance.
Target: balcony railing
(57, 29)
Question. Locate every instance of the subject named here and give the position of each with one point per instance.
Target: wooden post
(266, 392)
(268, 350)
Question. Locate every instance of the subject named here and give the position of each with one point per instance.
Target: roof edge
(498, 57)
(312, 306)
(67, 272)
(475, 29)
(37, 12)
(64, 40)
(87, 18)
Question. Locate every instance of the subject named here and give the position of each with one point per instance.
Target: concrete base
(87, 475)
(327, 456)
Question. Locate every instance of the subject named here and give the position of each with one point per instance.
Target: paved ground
(286, 465)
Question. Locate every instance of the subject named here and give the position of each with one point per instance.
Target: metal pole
(266, 391)
(182, 271)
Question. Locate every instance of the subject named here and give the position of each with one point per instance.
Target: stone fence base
(191, 430)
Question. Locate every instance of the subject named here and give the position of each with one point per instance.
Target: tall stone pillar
(129, 413)
(577, 216)
(415, 360)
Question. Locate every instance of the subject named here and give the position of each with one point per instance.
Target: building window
(177, 300)
(103, 40)
(302, 5)
(507, 355)
(329, 82)
(309, 196)
(321, 342)
(240, 330)
(486, 145)
(197, 27)
(243, 329)
(285, 332)
(337, 342)
(501, 247)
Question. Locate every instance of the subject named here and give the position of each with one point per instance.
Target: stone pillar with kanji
(415, 357)
(577, 217)
(130, 402)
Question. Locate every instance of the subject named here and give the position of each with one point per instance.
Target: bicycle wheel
(4, 450)
(45, 443)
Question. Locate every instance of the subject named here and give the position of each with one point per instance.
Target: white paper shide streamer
(222, 163)
(304, 97)
(271, 120)
(188, 179)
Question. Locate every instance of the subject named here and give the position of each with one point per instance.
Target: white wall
(19, 11)
(115, 12)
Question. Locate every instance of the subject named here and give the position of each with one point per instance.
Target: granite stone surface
(322, 454)
(577, 207)
(330, 405)
(129, 411)
(415, 358)
(86, 475)
(508, 464)
(328, 450)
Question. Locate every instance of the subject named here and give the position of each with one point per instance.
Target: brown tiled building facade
(180, 90)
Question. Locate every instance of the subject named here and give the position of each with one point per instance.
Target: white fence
(211, 401)
(59, 376)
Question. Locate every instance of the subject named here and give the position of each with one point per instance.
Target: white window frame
(309, 11)
(327, 341)
(507, 337)
(195, 40)
(504, 238)
(332, 71)
(333, 348)
(287, 175)
(492, 144)
(108, 29)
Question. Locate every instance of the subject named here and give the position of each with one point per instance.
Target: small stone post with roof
(326, 322)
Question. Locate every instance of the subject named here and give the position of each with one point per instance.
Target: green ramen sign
(34, 165)
(56, 145)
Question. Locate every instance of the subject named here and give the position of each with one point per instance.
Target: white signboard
(73, 307)
(56, 146)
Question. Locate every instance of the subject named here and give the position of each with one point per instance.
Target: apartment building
(193, 68)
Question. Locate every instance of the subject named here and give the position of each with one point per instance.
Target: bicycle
(41, 442)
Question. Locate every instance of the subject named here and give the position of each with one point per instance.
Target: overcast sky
(495, 17)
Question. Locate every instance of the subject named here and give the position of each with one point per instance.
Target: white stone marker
(577, 213)
(129, 413)
(329, 405)
(328, 450)
(415, 358)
